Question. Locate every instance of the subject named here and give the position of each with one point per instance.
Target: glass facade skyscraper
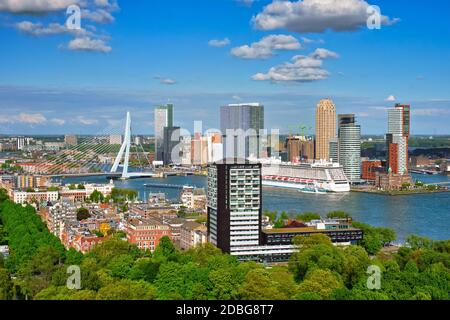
(163, 118)
(242, 123)
(349, 145)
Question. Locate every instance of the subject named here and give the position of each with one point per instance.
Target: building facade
(171, 151)
(146, 233)
(163, 118)
(349, 146)
(325, 128)
(369, 168)
(399, 119)
(234, 205)
(240, 125)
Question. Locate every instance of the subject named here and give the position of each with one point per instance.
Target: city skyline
(71, 86)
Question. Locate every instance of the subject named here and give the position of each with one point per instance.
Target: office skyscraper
(234, 205)
(163, 118)
(171, 138)
(397, 139)
(246, 117)
(349, 147)
(325, 128)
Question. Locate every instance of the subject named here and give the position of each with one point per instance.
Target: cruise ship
(318, 177)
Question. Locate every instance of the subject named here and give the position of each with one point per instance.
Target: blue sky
(133, 55)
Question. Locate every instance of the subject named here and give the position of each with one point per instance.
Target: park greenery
(115, 269)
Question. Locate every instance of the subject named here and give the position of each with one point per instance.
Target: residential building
(29, 197)
(60, 214)
(234, 205)
(325, 128)
(193, 198)
(192, 234)
(146, 233)
(30, 181)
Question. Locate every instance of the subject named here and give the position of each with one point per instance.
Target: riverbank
(399, 192)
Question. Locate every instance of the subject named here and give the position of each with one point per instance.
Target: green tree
(5, 285)
(259, 285)
(96, 196)
(308, 216)
(126, 289)
(320, 282)
(338, 214)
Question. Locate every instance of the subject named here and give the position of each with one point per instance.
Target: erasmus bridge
(90, 156)
(124, 152)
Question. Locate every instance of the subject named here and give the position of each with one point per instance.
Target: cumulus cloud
(315, 16)
(99, 16)
(300, 69)
(89, 44)
(219, 42)
(266, 47)
(34, 6)
(85, 39)
(27, 118)
(391, 98)
(38, 29)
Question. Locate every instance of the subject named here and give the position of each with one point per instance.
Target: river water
(425, 215)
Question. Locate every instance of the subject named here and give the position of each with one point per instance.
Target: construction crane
(301, 127)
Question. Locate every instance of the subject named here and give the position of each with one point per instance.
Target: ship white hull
(326, 186)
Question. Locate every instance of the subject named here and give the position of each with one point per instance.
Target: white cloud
(86, 121)
(266, 47)
(163, 80)
(236, 98)
(321, 53)
(37, 29)
(315, 16)
(168, 81)
(99, 16)
(89, 44)
(391, 98)
(300, 69)
(309, 40)
(219, 43)
(58, 121)
(35, 6)
(28, 118)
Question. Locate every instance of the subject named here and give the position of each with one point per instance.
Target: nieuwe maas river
(425, 215)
